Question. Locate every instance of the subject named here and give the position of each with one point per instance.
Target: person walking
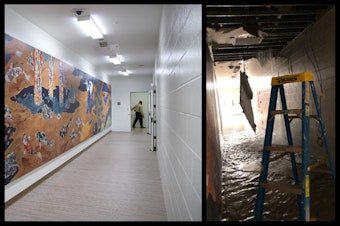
(138, 108)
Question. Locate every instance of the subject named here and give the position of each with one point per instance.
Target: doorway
(135, 97)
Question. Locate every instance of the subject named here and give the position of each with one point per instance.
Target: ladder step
(323, 171)
(284, 148)
(315, 165)
(286, 188)
(288, 111)
(291, 117)
(297, 113)
(319, 167)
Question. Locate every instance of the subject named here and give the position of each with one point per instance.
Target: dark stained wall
(213, 151)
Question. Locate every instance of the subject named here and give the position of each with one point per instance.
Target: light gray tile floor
(115, 179)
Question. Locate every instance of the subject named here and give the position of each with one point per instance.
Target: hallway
(115, 179)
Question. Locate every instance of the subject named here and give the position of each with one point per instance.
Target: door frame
(144, 97)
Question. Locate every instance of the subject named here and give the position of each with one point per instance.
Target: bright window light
(90, 27)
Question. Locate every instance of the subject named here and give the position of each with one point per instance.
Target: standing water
(241, 159)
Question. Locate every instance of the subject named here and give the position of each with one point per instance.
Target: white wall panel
(178, 78)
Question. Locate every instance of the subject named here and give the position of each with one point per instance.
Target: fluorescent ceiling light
(90, 27)
(124, 72)
(114, 59)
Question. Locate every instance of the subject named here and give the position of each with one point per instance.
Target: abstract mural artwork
(50, 107)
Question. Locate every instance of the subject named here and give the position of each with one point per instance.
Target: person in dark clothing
(138, 108)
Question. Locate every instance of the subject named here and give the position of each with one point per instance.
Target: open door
(135, 97)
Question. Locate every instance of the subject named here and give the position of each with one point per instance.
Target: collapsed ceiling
(241, 32)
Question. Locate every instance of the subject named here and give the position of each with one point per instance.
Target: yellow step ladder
(302, 190)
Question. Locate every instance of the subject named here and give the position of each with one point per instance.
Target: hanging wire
(290, 66)
(315, 65)
(316, 62)
(316, 68)
(243, 61)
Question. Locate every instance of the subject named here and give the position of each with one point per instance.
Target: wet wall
(213, 151)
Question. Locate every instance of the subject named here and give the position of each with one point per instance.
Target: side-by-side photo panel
(103, 112)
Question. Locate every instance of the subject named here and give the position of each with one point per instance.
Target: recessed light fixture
(89, 26)
(114, 59)
(124, 72)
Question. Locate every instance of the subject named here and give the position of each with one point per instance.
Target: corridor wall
(178, 82)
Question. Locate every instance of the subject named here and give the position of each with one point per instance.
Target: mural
(50, 107)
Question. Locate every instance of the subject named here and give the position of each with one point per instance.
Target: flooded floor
(241, 159)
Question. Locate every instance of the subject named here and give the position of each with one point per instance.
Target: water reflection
(241, 158)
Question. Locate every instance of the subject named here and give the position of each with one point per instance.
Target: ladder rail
(323, 129)
(265, 155)
(289, 135)
(305, 194)
(290, 143)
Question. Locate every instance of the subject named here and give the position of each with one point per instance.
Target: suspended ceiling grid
(280, 24)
